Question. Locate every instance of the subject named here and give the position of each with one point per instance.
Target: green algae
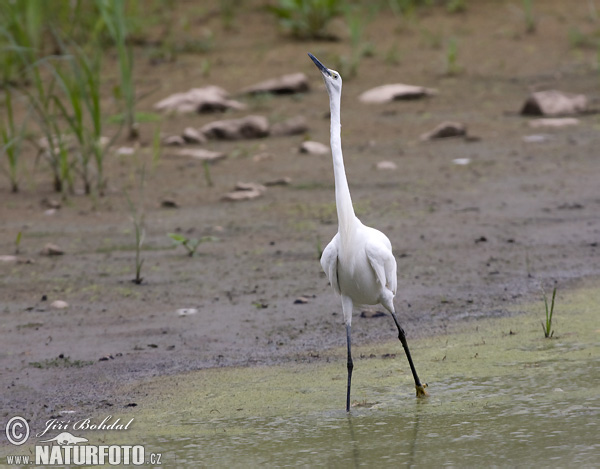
(500, 394)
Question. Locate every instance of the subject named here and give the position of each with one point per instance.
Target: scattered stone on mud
(284, 181)
(537, 138)
(8, 258)
(395, 92)
(52, 250)
(293, 126)
(286, 84)
(169, 203)
(262, 157)
(186, 311)
(125, 151)
(553, 122)
(207, 99)
(369, 313)
(252, 126)
(313, 148)
(191, 135)
(554, 103)
(445, 130)
(245, 191)
(50, 203)
(201, 154)
(59, 304)
(173, 141)
(386, 166)
(302, 300)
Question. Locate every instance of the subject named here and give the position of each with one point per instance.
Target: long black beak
(319, 65)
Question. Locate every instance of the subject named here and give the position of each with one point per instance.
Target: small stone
(169, 203)
(52, 250)
(8, 258)
(294, 126)
(191, 135)
(50, 203)
(369, 313)
(125, 151)
(252, 126)
(201, 154)
(173, 141)
(314, 148)
(553, 122)
(186, 311)
(461, 161)
(445, 130)
(59, 304)
(554, 103)
(284, 181)
(286, 84)
(537, 138)
(301, 300)
(207, 99)
(262, 157)
(393, 92)
(386, 166)
(249, 186)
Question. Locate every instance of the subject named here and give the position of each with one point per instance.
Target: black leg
(350, 367)
(420, 388)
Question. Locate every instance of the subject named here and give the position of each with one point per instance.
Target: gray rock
(235, 129)
(207, 99)
(445, 130)
(554, 103)
(286, 84)
(191, 135)
(314, 148)
(201, 154)
(293, 126)
(393, 92)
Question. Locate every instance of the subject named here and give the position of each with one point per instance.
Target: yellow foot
(421, 391)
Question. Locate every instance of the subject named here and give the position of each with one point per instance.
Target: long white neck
(345, 211)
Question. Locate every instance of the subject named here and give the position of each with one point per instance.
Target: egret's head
(333, 80)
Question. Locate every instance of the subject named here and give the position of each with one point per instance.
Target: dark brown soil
(469, 240)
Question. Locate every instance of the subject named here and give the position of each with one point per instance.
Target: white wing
(379, 252)
(329, 263)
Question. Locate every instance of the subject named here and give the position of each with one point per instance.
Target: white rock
(59, 304)
(446, 130)
(392, 92)
(201, 154)
(191, 135)
(461, 161)
(207, 99)
(186, 311)
(553, 122)
(236, 129)
(554, 103)
(386, 166)
(314, 148)
(286, 84)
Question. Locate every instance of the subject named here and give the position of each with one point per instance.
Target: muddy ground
(469, 240)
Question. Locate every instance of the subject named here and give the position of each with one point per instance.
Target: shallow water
(500, 395)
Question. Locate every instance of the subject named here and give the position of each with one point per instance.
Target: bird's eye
(334, 76)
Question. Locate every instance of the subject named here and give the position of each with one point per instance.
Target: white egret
(358, 261)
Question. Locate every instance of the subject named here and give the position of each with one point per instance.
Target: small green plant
(530, 20)
(307, 19)
(207, 174)
(113, 15)
(138, 218)
(191, 245)
(451, 60)
(456, 6)
(18, 242)
(547, 327)
(11, 139)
